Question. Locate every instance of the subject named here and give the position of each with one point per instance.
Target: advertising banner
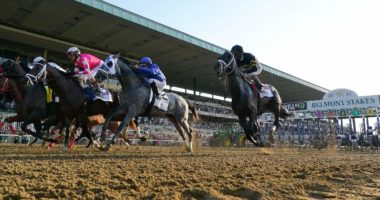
(338, 104)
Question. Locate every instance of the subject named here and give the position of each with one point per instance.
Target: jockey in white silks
(152, 74)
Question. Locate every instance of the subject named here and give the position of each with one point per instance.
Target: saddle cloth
(104, 96)
(266, 92)
(162, 101)
(91, 95)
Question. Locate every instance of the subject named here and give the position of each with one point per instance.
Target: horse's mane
(68, 76)
(25, 67)
(59, 71)
(129, 64)
(125, 61)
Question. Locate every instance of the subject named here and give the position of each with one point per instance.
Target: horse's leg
(276, 113)
(67, 124)
(36, 138)
(34, 118)
(134, 124)
(180, 130)
(85, 131)
(88, 135)
(81, 135)
(128, 117)
(38, 127)
(109, 117)
(24, 128)
(124, 136)
(185, 126)
(34, 141)
(247, 125)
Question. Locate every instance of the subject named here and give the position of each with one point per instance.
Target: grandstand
(100, 28)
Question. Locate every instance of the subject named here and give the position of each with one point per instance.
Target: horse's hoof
(252, 140)
(106, 147)
(96, 144)
(89, 144)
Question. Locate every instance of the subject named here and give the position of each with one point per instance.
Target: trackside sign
(334, 104)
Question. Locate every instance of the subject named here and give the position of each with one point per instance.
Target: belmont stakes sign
(344, 103)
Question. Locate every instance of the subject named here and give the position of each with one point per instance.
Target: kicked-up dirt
(170, 173)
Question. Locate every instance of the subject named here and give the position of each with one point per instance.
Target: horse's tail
(284, 113)
(194, 114)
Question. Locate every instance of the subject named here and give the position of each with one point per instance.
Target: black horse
(135, 100)
(245, 103)
(71, 96)
(9, 91)
(74, 100)
(30, 101)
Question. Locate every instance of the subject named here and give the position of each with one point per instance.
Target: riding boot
(97, 89)
(258, 83)
(154, 88)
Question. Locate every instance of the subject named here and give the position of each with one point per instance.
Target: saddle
(160, 101)
(264, 92)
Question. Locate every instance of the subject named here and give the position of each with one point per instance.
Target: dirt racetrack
(170, 173)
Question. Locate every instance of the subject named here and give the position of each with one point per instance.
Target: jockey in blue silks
(152, 74)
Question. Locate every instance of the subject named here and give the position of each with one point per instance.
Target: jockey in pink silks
(86, 66)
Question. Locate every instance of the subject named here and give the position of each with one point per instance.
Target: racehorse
(71, 97)
(245, 103)
(30, 104)
(8, 89)
(74, 100)
(135, 101)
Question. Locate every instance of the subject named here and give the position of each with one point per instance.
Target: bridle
(12, 74)
(226, 68)
(109, 63)
(35, 78)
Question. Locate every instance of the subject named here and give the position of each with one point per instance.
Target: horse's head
(37, 73)
(226, 64)
(6, 66)
(11, 68)
(110, 66)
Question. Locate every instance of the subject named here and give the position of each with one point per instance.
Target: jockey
(51, 97)
(248, 65)
(38, 61)
(86, 66)
(152, 74)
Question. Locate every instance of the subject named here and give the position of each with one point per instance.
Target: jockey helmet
(39, 60)
(237, 49)
(73, 51)
(146, 61)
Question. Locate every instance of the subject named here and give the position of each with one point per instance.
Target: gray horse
(135, 101)
(244, 100)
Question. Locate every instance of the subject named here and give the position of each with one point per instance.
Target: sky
(331, 43)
